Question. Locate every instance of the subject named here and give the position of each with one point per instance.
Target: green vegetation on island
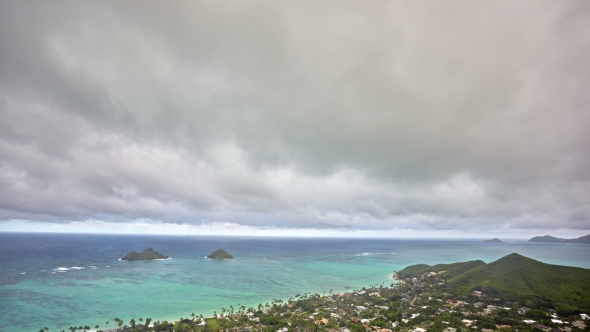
(547, 238)
(518, 278)
(494, 240)
(148, 254)
(220, 254)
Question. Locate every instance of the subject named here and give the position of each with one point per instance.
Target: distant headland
(494, 240)
(146, 255)
(552, 239)
(220, 254)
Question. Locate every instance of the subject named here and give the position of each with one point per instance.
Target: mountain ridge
(552, 239)
(518, 278)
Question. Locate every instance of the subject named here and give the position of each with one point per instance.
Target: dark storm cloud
(344, 115)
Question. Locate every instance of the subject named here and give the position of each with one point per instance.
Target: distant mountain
(516, 278)
(220, 254)
(146, 255)
(548, 238)
(494, 240)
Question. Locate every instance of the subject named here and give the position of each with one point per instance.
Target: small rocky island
(494, 240)
(220, 254)
(146, 255)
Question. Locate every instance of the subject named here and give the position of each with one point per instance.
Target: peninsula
(146, 255)
(220, 254)
(553, 239)
(514, 293)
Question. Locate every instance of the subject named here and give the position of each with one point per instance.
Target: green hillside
(518, 278)
(462, 268)
(515, 278)
(449, 270)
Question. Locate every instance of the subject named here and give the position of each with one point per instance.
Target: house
(333, 315)
(584, 316)
(467, 322)
(414, 316)
(499, 327)
(579, 324)
(556, 321)
(542, 327)
(450, 329)
(449, 301)
(283, 329)
(522, 311)
(529, 321)
(419, 329)
(394, 324)
(478, 304)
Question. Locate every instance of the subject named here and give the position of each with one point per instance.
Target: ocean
(63, 280)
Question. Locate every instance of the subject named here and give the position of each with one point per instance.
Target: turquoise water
(63, 280)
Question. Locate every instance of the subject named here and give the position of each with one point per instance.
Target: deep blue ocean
(59, 280)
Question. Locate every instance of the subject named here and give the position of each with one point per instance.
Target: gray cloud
(345, 115)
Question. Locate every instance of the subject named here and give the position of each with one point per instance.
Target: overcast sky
(321, 118)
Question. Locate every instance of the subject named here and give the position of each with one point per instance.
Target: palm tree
(97, 327)
(117, 320)
(107, 323)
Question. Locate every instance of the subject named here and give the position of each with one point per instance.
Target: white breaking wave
(65, 269)
(376, 253)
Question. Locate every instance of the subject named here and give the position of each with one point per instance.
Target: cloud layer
(372, 116)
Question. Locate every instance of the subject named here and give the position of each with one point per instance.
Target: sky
(296, 118)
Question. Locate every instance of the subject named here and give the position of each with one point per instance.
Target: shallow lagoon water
(58, 280)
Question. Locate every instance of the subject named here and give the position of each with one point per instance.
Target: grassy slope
(464, 267)
(515, 277)
(450, 269)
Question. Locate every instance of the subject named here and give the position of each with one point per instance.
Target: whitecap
(376, 253)
(62, 269)
(77, 268)
(23, 273)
